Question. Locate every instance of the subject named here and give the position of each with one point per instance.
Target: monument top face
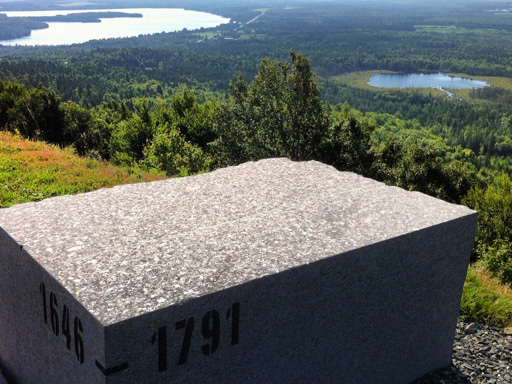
(133, 249)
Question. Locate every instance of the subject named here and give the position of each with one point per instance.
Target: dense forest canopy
(285, 78)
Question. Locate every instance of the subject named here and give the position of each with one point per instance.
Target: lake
(153, 21)
(419, 80)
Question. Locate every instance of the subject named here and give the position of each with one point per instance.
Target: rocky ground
(481, 355)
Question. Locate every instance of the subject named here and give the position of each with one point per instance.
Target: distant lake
(416, 80)
(153, 21)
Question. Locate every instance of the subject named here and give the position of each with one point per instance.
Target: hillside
(34, 170)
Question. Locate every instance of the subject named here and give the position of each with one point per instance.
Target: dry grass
(31, 171)
(485, 299)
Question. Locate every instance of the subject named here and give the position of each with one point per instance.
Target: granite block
(273, 271)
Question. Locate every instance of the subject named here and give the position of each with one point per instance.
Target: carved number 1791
(210, 330)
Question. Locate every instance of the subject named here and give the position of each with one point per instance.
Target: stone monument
(269, 272)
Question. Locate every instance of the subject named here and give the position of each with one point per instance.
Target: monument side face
(385, 313)
(46, 336)
(274, 272)
(9, 251)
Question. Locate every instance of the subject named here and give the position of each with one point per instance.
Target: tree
(77, 121)
(348, 145)
(171, 153)
(34, 113)
(418, 168)
(494, 230)
(130, 137)
(279, 114)
(194, 121)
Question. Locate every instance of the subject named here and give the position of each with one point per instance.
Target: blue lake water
(153, 21)
(418, 80)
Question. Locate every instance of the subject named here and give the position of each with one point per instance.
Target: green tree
(34, 113)
(77, 123)
(494, 204)
(418, 168)
(10, 95)
(349, 142)
(171, 153)
(494, 230)
(130, 137)
(194, 121)
(279, 114)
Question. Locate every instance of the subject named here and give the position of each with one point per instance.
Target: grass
(450, 29)
(31, 171)
(485, 300)
(358, 79)
(247, 36)
(502, 82)
(208, 34)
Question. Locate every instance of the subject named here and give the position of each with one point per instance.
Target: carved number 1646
(60, 322)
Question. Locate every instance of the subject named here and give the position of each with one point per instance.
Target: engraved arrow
(111, 370)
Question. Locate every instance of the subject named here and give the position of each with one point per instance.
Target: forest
(288, 79)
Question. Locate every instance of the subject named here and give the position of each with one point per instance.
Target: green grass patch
(358, 79)
(31, 171)
(440, 29)
(248, 36)
(502, 13)
(495, 81)
(208, 35)
(451, 29)
(485, 300)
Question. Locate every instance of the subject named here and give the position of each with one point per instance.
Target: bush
(171, 153)
(498, 260)
(494, 230)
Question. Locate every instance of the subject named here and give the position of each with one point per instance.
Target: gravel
(481, 355)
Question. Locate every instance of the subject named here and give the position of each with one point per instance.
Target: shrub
(171, 153)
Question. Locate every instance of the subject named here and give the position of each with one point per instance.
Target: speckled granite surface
(147, 246)
(361, 265)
